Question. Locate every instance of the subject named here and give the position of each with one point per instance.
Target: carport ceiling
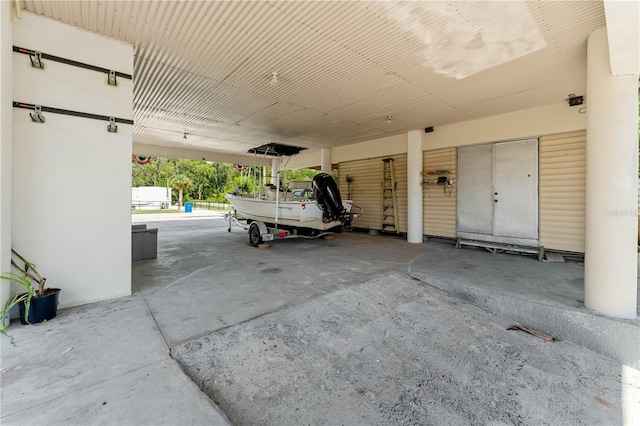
(205, 68)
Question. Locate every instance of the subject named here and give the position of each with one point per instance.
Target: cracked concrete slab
(156, 394)
(395, 351)
(103, 363)
(206, 278)
(546, 296)
(310, 332)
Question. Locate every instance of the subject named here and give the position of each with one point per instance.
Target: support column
(325, 160)
(274, 170)
(414, 186)
(612, 185)
(38, 230)
(6, 143)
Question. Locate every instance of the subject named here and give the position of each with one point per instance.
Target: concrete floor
(208, 288)
(396, 351)
(545, 296)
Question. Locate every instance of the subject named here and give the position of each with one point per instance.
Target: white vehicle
(150, 198)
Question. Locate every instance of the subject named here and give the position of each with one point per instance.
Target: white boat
(302, 209)
(292, 211)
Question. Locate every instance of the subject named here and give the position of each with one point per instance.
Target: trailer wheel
(254, 234)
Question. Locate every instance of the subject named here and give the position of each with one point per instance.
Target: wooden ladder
(389, 197)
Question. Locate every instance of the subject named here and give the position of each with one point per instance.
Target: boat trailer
(261, 232)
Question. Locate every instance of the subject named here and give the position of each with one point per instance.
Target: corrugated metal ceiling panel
(343, 66)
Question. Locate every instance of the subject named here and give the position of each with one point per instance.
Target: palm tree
(181, 182)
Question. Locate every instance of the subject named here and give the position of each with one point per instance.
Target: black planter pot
(41, 308)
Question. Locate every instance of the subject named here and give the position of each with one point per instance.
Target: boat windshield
(303, 193)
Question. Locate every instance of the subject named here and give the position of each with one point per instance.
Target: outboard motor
(328, 196)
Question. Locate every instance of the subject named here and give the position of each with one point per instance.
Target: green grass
(218, 209)
(156, 211)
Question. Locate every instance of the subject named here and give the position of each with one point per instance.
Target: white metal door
(475, 189)
(498, 192)
(515, 185)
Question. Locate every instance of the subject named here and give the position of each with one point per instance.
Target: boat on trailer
(301, 209)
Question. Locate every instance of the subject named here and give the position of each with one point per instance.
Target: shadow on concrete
(109, 362)
(545, 296)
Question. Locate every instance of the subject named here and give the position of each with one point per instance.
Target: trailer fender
(258, 233)
(262, 227)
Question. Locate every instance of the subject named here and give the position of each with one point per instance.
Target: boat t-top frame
(277, 150)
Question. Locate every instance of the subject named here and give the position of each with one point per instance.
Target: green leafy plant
(25, 297)
(29, 270)
(29, 273)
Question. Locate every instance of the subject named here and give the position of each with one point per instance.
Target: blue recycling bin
(188, 207)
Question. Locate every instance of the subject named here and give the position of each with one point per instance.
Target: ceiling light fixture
(388, 118)
(185, 135)
(274, 78)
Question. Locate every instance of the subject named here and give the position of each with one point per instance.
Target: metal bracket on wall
(111, 80)
(112, 127)
(38, 118)
(36, 62)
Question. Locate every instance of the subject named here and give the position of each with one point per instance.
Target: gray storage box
(144, 244)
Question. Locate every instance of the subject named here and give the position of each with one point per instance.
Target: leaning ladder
(389, 197)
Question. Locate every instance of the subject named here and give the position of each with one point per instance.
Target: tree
(220, 176)
(221, 181)
(154, 173)
(201, 173)
(201, 180)
(181, 182)
(300, 174)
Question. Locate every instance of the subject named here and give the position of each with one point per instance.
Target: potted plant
(35, 305)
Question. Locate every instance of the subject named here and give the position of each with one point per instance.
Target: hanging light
(274, 78)
(388, 118)
(185, 135)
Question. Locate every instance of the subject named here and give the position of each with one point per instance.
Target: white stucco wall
(524, 124)
(534, 122)
(71, 180)
(6, 86)
(390, 145)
